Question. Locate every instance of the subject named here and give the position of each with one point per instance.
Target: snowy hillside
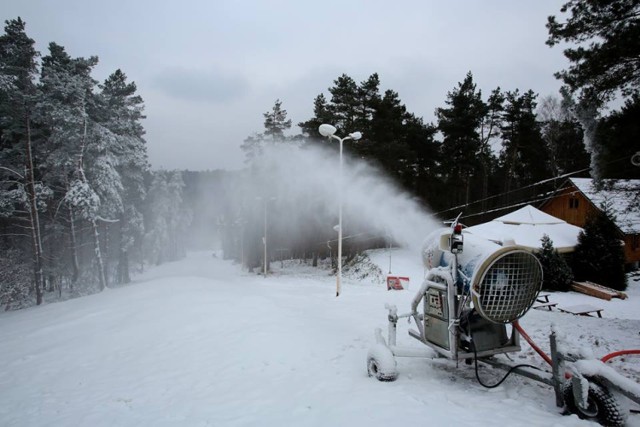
(201, 343)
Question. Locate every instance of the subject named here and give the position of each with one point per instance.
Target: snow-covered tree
(15, 286)
(562, 134)
(167, 218)
(17, 95)
(79, 144)
(72, 162)
(97, 138)
(599, 256)
(557, 275)
(121, 112)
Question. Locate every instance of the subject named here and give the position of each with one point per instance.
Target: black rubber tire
(602, 405)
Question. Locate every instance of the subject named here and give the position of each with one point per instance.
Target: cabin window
(574, 202)
(635, 242)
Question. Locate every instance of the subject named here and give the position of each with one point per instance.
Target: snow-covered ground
(201, 343)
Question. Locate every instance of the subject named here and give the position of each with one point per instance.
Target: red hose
(547, 359)
(618, 354)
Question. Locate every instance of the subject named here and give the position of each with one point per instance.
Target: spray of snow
(586, 112)
(307, 181)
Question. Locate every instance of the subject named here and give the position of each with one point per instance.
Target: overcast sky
(208, 69)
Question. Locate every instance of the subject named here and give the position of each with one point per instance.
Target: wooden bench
(596, 290)
(582, 310)
(548, 305)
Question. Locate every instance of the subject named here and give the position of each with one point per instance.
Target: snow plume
(587, 116)
(302, 184)
(586, 112)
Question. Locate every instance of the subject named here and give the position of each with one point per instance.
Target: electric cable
(475, 359)
(538, 198)
(544, 181)
(509, 372)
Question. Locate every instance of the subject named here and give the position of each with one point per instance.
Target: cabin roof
(623, 195)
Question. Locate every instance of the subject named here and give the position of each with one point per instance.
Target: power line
(544, 181)
(539, 197)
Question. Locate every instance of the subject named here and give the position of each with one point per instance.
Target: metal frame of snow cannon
(466, 332)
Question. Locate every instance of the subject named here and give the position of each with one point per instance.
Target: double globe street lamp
(329, 132)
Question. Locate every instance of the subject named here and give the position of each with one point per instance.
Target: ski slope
(201, 343)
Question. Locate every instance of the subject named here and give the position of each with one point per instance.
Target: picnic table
(543, 297)
(542, 301)
(582, 310)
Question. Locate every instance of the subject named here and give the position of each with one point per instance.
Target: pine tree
(344, 104)
(121, 112)
(385, 142)
(167, 218)
(368, 100)
(562, 135)
(421, 175)
(276, 122)
(78, 155)
(524, 155)
(460, 124)
(15, 285)
(393, 138)
(599, 256)
(618, 136)
(586, 113)
(555, 270)
(18, 92)
(489, 130)
(321, 115)
(603, 46)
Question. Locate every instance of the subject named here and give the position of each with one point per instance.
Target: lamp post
(329, 132)
(264, 238)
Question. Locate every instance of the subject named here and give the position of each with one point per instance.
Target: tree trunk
(485, 188)
(75, 265)
(105, 248)
(102, 278)
(123, 257)
(36, 239)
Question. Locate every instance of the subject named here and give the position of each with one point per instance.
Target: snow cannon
(503, 280)
(468, 307)
(474, 289)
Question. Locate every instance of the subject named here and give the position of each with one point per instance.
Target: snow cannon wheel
(602, 406)
(381, 363)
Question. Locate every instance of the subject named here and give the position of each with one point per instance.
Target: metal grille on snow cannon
(507, 285)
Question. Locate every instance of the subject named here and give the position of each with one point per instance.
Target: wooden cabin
(579, 199)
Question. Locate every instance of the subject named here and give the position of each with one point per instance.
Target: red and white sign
(397, 283)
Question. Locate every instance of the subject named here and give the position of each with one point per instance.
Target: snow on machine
(468, 307)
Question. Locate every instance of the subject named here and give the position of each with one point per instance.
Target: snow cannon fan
(506, 285)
